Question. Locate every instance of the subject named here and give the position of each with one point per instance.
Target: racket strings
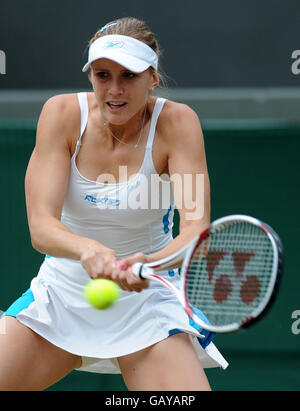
(229, 273)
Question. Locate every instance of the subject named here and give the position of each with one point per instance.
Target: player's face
(120, 93)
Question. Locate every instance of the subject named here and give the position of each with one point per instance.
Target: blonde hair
(133, 27)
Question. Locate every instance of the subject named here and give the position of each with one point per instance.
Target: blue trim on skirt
(27, 298)
(20, 304)
(208, 335)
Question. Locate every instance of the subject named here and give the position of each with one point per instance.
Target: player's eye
(129, 74)
(102, 74)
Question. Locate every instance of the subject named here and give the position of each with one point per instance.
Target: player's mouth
(116, 105)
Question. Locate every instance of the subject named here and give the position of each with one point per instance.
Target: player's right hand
(101, 262)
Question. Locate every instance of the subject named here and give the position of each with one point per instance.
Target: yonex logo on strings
(111, 44)
(2, 62)
(250, 286)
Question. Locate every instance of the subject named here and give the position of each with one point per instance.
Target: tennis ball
(101, 293)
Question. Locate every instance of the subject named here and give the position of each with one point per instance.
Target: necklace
(123, 142)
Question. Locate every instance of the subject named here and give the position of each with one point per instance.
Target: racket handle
(139, 270)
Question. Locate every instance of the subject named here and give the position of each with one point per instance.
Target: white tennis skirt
(55, 308)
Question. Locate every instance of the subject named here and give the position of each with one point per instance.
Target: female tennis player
(93, 212)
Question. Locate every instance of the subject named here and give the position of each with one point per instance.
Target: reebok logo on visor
(110, 44)
(126, 50)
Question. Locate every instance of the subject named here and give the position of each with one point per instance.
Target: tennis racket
(230, 272)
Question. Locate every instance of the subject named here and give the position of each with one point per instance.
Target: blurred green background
(231, 62)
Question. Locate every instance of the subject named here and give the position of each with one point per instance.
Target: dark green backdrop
(254, 169)
(206, 43)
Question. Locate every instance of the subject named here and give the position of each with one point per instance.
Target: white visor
(130, 53)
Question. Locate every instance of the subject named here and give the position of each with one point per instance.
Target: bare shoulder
(174, 110)
(59, 119)
(61, 105)
(177, 121)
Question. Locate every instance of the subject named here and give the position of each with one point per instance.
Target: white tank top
(122, 216)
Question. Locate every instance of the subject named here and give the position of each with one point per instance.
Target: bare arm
(47, 177)
(189, 176)
(181, 131)
(46, 184)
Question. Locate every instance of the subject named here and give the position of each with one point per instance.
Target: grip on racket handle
(137, 269)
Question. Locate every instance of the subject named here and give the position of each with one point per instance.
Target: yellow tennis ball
(101, 293)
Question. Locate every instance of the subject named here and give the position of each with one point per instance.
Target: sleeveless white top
(120, 216)
(59, 311)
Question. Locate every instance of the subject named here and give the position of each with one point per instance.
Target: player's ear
(154, 80)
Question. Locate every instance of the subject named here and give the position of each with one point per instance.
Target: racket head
(232, 273)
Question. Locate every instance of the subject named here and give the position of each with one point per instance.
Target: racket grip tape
(137, 269)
